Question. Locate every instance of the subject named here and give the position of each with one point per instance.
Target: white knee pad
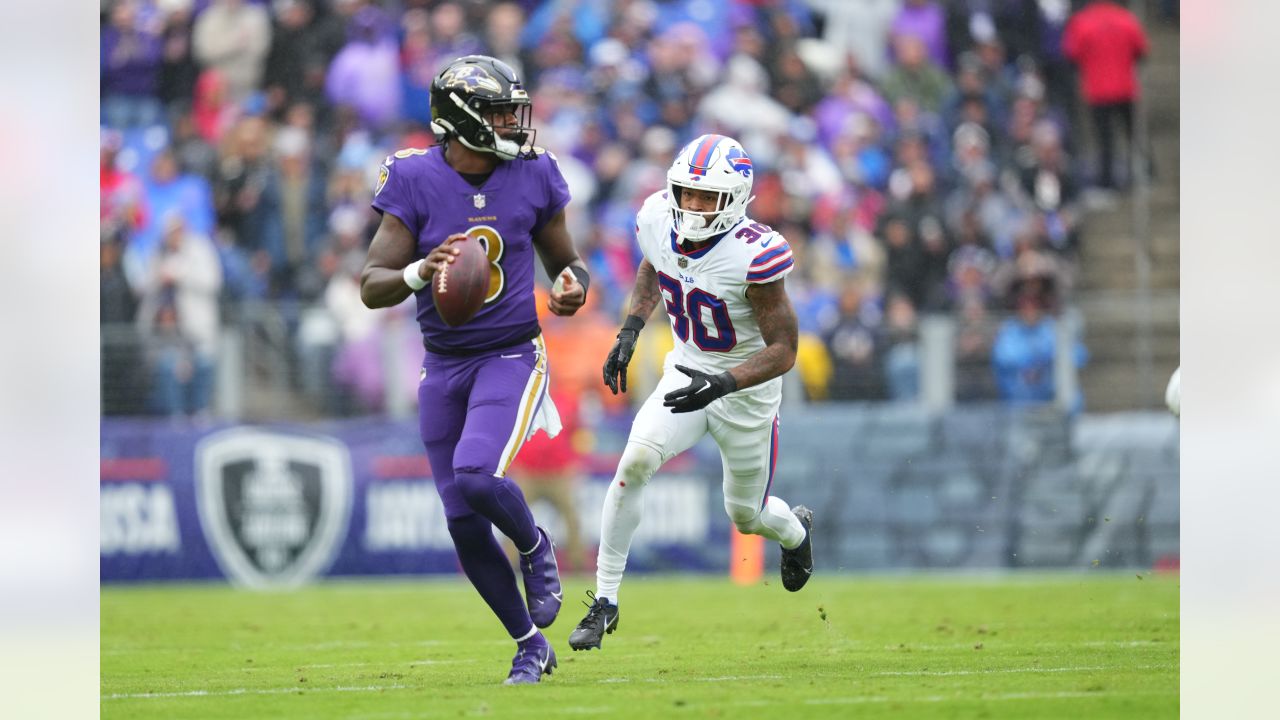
(638, 464)
(745, 517)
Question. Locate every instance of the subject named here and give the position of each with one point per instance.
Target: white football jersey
(705, 295)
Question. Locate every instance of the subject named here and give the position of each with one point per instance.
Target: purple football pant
(474, 414)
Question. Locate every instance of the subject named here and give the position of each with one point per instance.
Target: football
(460, 289)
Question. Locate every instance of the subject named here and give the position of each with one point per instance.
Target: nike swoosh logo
(704, 387)
(765, 243)
(512, 356)
(544, 660)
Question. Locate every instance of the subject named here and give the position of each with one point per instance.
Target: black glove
(700, 392)
(615, 368)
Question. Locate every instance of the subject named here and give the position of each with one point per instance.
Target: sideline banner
(276, 506)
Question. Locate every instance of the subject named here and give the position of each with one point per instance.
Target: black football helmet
(474, 88)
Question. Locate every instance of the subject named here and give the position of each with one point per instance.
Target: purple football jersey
(505, 214)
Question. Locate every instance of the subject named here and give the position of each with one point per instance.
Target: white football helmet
(716, 163)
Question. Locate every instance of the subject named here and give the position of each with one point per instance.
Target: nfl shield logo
(273, 507)
(478, 199)
(683, 262)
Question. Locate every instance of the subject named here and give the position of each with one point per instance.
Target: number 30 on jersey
(700, 311)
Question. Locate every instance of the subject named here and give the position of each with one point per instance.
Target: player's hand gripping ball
(461, 280)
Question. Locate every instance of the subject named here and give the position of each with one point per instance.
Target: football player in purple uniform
(484, 384)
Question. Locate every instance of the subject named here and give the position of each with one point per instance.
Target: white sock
(623, 506)
(777, 523)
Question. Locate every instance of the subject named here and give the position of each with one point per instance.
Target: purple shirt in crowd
(129, 62)
(509, 209)
(927, 22)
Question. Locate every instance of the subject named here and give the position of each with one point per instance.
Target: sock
(488, 569)
(775, 522)
(623, 504)
(500, 501)
(535, 639)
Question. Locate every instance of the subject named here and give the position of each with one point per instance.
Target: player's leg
(749, 458)
(505, 394)
(442, 418)
(657, 435)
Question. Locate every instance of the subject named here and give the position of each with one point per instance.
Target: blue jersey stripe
(766, 274)
(768, 255)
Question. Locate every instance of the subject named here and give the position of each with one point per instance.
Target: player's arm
(780, 330)
(560, 260)
(646, 295)
(644, 298)
(389, 268)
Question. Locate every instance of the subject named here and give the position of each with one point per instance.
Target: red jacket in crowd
(1106, 41)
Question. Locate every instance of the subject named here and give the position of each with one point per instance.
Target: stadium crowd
(918, 155)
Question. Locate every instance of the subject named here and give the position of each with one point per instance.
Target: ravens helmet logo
(470, 77)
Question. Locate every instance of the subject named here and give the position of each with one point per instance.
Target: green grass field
(1081, 645)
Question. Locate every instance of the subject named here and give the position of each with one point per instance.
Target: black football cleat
(797, 563)
(601, 619)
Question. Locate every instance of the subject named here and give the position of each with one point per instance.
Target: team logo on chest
(478, 200)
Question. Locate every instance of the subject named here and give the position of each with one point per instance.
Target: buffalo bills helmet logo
(739, 161)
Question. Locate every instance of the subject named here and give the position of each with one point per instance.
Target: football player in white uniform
(720, 276)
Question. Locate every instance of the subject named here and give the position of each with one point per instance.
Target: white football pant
(657, 435)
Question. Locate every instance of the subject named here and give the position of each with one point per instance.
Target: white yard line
(245, 691)
(1079, 668)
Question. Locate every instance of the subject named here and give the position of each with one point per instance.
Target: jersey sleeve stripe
(774, 262)
(770, 254)
(770, 273)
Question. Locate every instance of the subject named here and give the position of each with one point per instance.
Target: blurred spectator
(305, 37)
(168, 190)
(450, 35)
(130, 67)
(1106, 42)
(926, 21)
(178, 70)
(302, 202)
(365, 74)
(417, 67)
(502, 35)
(1025, 347)
(902, 351)
(1049, 187)
(975, 336)
(855, 349)
(742, 107)
(212, 111)
(234, 37)
(797, 87)
(916, 77)
(121, 354)
(246, 194)
(178, 317)
(194, 154)
(121, 201)
(860, 28)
